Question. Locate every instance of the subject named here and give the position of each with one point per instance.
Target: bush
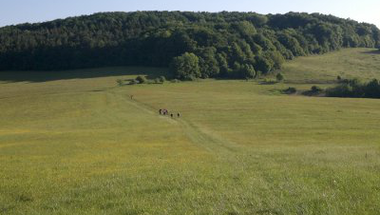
(133, 82)
(158, 81)
(280, 77)
(316, 89)
(120, 82)
(141, 79)
(258, 74)
(356, 89)
(343, 90)
(162, 79)
(290, 90)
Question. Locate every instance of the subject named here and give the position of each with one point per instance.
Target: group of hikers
(166, 112)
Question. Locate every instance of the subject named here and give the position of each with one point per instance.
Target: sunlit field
(348, 63)
(74, 144)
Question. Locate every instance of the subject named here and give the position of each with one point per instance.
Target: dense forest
(194, 45)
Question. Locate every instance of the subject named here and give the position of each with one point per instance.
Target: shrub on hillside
(356, 89)
(162, 79)
(120, 82)
(314, 90)
(141, 79)
(290, 90)
(338, 78)
(280, 77)
(158, 81)
(133, 82)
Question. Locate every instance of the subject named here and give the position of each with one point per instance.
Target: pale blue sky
(21, 11)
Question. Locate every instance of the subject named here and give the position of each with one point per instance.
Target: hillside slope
(226, 44)
(346, 63)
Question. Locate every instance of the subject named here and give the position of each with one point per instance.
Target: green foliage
(316, 89)
(141, 79)
(156, 38)
(162, 79)
(244, 71)
(245, 28)
(264, 64)
(290, 90)
(133, 82)
(120, 82)
(277, 59)
(158, 81)
(186, 67)
(291, 43)
(356, 89)
(208, 64)
(223, 65)
(280, 77)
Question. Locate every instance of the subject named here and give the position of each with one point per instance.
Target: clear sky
(21, 11)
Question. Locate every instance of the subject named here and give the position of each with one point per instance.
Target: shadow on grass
(373, 52)
(44, 76)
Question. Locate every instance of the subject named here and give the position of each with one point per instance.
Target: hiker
(160, 111)
(131, 97)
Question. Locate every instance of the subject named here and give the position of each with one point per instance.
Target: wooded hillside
(225, 44)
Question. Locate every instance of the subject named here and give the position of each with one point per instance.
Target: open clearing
(82, 146)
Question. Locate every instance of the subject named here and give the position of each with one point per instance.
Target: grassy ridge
(81, 146)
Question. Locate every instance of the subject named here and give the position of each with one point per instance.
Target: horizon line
(200, 11)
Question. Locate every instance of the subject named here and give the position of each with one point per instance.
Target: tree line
(354, 88)
(193, 45)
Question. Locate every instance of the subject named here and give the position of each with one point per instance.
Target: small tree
(247, 71)
(280, 77)
(186, 66)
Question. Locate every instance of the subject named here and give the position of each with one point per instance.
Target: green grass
(347, 63)
(81, 146)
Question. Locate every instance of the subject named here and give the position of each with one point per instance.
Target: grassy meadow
(77, 144)
(349, 63)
